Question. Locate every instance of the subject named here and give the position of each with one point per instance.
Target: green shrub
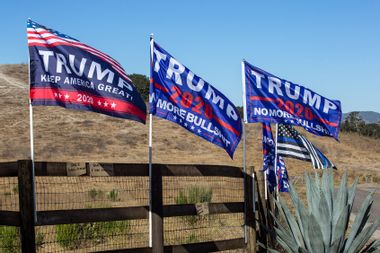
(74, 236)
(194, 195)
(191, 239)
(9, 239)
(94, 193)
(113, 195)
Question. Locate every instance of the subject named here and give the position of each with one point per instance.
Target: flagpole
(244, 145)
(265, 186)
(150, 153)
(275, 162)
(31, 132)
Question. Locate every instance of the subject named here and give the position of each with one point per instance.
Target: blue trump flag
(274, 100)
(176, 94)
(71, 74)
(268, 162)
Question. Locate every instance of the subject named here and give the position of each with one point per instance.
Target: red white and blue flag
(268, 163)
(65, 72)
(270, 99)
(176, 94)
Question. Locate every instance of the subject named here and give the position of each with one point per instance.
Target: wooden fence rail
(26, 221)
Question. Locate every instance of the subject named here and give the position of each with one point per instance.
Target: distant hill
(367, 116)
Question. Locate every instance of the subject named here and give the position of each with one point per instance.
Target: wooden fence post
(26, 203)
(157, 210)
(250, 217)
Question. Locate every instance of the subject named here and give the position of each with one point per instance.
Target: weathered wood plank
(214, 208)
(201, 247)
(8, 169)
(27, 208)
(9, 218)
(201, 170)
(91, 215)
(156, 199)
(204, 247)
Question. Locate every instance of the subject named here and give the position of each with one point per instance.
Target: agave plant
(323, 227)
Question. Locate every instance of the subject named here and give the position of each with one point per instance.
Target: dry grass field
(75, 136)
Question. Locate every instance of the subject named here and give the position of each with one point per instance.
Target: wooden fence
(26, 221)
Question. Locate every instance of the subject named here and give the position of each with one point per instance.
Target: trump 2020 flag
(291, 143)
(268, 162)
(65, 72)
(176, 94)
(274, 100)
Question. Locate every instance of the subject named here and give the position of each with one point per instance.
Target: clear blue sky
(332, 47)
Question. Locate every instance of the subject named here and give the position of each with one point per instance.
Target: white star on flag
(60, 95)
(67, 96)
(185, 124)
(105, 104)
(55, 94)
(99, 103)
(113, 105)
(192, 127)
(199, 131)
(175, 117)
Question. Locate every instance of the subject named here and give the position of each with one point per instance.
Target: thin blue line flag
(176, 94)
(291, 143)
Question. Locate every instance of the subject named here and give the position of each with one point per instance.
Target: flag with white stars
(65, 72)
(291, 143)
(176, 94)
(269, 164)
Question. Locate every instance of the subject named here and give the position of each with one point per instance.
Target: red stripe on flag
(87, 99)
(262, 98)
(226, 125)
(267, 127)
(161, 88)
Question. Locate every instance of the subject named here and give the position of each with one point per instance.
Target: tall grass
(193, 195)
(75, 236)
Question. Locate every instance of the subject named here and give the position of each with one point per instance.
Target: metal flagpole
(31, 131)
(244, 146)
(265, 186)
(275, 161)
(150, 154)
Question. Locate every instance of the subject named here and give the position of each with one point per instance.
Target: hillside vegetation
(68, 135)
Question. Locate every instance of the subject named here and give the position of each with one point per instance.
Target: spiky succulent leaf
(339, 228)
(372, 246)
(324, 219)
(322, 226)
(293, 225)
(362, 238)
(314, 232)
(360, 220)
(328, 188)
(351, 194)
(341, 199)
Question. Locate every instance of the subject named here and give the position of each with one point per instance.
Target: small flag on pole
(71, 74)
(291, 143)
(268, 162)
(177, 95)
